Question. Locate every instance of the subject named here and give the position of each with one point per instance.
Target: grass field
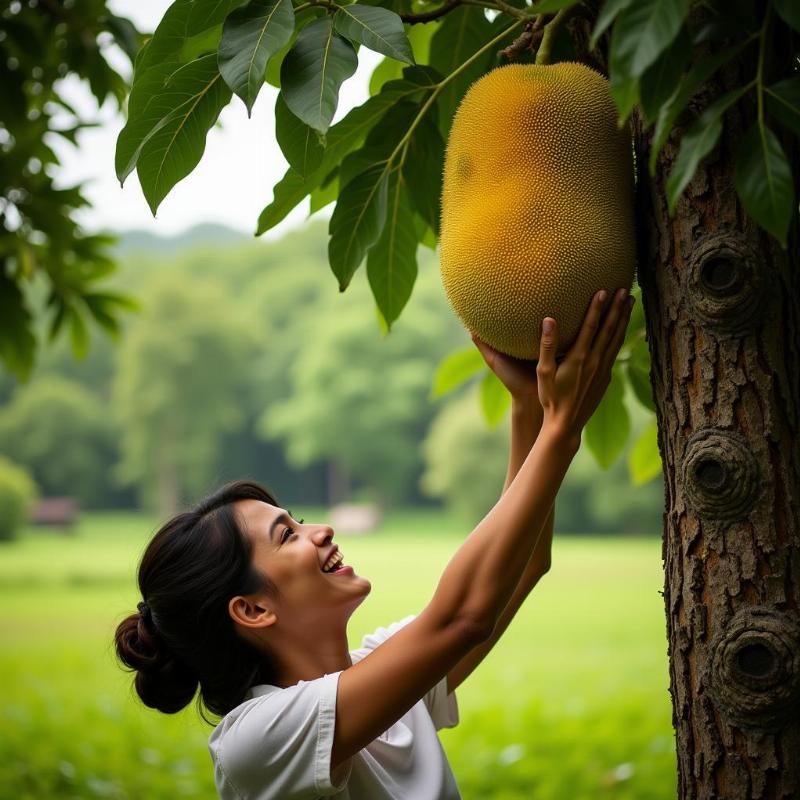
(571, 705)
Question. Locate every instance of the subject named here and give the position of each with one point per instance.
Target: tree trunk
(168, 482)
(722, 303)
(338, 482)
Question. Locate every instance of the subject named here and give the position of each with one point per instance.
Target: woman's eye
(288, 532)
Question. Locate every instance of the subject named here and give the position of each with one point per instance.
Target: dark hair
(183, 636)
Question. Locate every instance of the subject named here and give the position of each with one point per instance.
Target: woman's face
(291, 555)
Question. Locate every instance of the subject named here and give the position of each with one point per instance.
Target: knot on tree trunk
(755, 668)
(726, 284)
(721, 475)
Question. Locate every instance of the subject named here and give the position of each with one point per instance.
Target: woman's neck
(307, 655)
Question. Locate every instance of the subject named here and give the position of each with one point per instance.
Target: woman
(252, 607)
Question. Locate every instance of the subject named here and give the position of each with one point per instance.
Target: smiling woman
(252, 606)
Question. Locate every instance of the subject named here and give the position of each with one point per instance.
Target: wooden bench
(59, 512)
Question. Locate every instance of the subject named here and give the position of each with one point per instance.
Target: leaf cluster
(659, 62)
(382, 162)
(46, 259)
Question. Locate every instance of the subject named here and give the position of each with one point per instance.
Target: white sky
(232, 182)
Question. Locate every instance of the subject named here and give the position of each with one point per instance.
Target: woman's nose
(322, 534)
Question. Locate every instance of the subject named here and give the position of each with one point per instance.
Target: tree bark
(722, 303)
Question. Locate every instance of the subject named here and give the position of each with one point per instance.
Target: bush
(17, 493)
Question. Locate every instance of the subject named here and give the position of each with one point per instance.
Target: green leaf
(608, 428)
(286, 194)
(608, 13)
(456, 368)
(183, 33)
(698, 75)
(381, 141)
(662, 77)
(272, 74)
(783, 101)
(313, 71)
(420, 38)
(125, 35)
(641, 33)
(357, 222)
(78, 332)
(344, 136)
(459, 35)
(763, 181)
(200, 44)
(423, 169)
(190, 103)
(102, 313)
(427, 238)
(17, 342)
(638, 372)
(789, 11)
(323, 195)
(697, 142)
(377, 28)
(392, 260)
(644, 460)
(251, 35)
(144, 118)
(167, 39)
(300, 144)
(637, 329)
(387, 70)
(495, 399)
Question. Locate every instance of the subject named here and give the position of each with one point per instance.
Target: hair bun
(163, 681)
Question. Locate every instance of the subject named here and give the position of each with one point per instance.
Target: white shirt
(276, 745)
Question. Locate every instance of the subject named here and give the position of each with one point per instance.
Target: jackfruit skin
(537, 203)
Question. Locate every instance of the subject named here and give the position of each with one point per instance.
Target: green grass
(571, 704)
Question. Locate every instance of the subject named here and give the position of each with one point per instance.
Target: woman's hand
(571, 390)
(516, 374)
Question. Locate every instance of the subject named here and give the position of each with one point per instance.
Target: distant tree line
(242, 361)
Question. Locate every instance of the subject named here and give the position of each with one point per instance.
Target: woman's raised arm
(479, 580)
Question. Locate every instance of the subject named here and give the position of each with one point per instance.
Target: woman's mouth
(342, 570)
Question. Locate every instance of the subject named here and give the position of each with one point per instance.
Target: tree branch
(550, 31)
(527, 40)
(429, 16)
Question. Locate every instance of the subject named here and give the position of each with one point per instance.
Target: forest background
(243, 361)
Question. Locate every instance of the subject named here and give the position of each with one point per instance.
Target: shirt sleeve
(442, 706)
(280, 746)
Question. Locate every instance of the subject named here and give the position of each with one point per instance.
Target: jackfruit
(537, 203)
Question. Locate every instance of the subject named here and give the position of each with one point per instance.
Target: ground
(572, 703)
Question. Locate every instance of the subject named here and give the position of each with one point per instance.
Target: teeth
(332, 562)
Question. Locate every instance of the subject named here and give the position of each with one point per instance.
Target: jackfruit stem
(550, 31)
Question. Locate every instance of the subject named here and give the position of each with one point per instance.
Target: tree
(359, 402)
(718, 262)
(465, 460)
(181, 373)
(56, 415)
(17, 494)
(51, 270)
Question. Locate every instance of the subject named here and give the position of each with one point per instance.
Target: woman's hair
(183, 636)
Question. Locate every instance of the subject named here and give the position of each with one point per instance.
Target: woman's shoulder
(272, 731)
(266, 708)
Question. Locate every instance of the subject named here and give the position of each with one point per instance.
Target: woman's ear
(251, 613)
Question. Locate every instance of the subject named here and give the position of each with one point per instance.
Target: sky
(234, 179)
